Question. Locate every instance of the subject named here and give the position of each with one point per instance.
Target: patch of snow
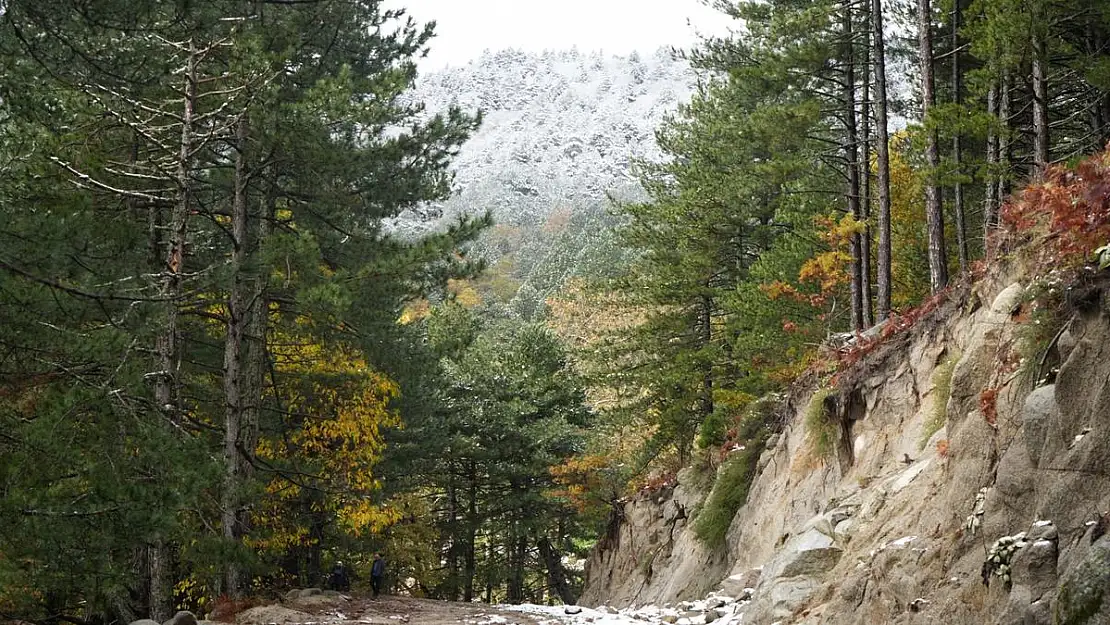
(724, 610)
(902, 542)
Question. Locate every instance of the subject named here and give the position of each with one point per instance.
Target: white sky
(467, 27)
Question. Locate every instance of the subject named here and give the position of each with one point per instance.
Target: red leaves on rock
(988, 405)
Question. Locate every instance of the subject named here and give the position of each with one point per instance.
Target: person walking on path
(339, 579)
(377, 572)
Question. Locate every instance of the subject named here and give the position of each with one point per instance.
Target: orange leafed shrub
(897, 323)
(1069, 211)
(579, 478)
(942, 448)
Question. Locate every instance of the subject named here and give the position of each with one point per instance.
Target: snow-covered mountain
(560, 134)
(561, 128)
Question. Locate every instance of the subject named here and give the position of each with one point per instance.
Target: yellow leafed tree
(334, 408)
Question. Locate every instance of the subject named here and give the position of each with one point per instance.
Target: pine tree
(237, 142)
(882, 143)
(934, 215)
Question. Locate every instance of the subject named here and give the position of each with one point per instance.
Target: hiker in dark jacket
(339, 579)
(377, 572)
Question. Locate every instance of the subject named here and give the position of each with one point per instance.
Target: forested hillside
(561, 133)
(269, 301)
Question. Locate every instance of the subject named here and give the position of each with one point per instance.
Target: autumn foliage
(1063, 218)
(336, 410)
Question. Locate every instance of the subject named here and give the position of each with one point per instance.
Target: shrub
(1045, 312)
(729, 493)
(713, 429)
(1064, 218)
(988, 404)
(743, 446)
(821, 429)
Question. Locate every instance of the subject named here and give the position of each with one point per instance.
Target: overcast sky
(467, 27)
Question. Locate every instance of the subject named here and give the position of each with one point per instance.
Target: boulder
(1043, 530)
(739, 585)
(272, 615)
(714, 602)
(787, 595)
(1008, 299)
(144, 621)
(572, 609)
(1038, 412)
(843, 531)
(810, 553)
(1083, 597)
(1066, 343)
(183, 617)
(1034, 567)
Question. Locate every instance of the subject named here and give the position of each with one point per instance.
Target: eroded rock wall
(652, 552)
(898, 525)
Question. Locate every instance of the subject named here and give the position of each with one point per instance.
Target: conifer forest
(255, 318)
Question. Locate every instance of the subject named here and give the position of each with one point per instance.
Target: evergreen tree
(244, 156)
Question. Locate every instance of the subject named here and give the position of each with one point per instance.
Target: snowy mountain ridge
(561, 128)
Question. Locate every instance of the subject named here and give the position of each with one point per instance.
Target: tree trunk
(705, 394)
(314, 560)
(234, 369)
(851, 155)
(469, 559)
(452, 588)
(1040, 105)
(865, 177)
(934, 215)
(882, 139)
(166, 386)
(158, 583)
(514, 592)
(490, 553)
(957, 143)
(556, 574)
(991, 199)
(1005, 149)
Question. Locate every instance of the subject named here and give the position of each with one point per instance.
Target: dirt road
(361, 610)
(400, 610)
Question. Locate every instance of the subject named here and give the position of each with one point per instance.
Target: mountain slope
(561, 133)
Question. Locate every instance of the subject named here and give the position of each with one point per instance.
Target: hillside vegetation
(269, 302)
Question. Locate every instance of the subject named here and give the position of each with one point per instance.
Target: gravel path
(359, 610)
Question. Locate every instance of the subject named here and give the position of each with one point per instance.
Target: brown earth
(386, 610)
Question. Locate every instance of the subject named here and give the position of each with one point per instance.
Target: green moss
(729, 493)
(1083, 593)
(821, 429)
(1046, 312)
(942, 390)
(646, 560)
(734, 479)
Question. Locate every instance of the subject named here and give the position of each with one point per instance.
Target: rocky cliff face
(997, 516)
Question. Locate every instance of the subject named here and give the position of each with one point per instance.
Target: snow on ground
(717, 610)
